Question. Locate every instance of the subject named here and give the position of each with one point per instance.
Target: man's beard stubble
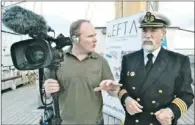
(150, 47)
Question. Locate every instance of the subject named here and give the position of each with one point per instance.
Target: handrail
(11, 78)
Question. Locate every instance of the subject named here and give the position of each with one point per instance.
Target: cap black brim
(152, 25)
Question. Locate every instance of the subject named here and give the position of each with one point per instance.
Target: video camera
(37, 53)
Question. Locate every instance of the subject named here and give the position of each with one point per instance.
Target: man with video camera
(81, 77)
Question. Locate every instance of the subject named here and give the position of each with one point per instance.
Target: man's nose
(94, 39)
(148, 34)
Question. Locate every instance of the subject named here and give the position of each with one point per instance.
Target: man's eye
(91, 36)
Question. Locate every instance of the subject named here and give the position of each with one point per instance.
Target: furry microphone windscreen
(24, 21)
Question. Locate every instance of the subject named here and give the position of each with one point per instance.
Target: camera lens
(35, 54)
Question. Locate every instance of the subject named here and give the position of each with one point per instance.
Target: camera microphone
(25, 22)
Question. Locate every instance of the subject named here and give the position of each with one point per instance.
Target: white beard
(149, 48)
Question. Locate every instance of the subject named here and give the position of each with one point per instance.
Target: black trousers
(132, 122)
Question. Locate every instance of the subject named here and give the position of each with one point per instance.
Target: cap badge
(149, 17)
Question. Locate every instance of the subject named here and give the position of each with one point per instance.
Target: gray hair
(164, 29)
(75, 27)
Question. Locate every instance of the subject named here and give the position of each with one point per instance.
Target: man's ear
(164, 32)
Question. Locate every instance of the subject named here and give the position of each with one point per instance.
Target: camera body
(38, 53)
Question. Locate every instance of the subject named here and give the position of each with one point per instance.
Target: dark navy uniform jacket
(167, 85)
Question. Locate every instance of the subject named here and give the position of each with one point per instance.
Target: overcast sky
(181, 14)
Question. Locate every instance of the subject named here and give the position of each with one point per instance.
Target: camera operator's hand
(51, 86)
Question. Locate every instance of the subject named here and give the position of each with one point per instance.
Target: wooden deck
(20, 107)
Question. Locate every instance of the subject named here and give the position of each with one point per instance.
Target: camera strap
(41, 77)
